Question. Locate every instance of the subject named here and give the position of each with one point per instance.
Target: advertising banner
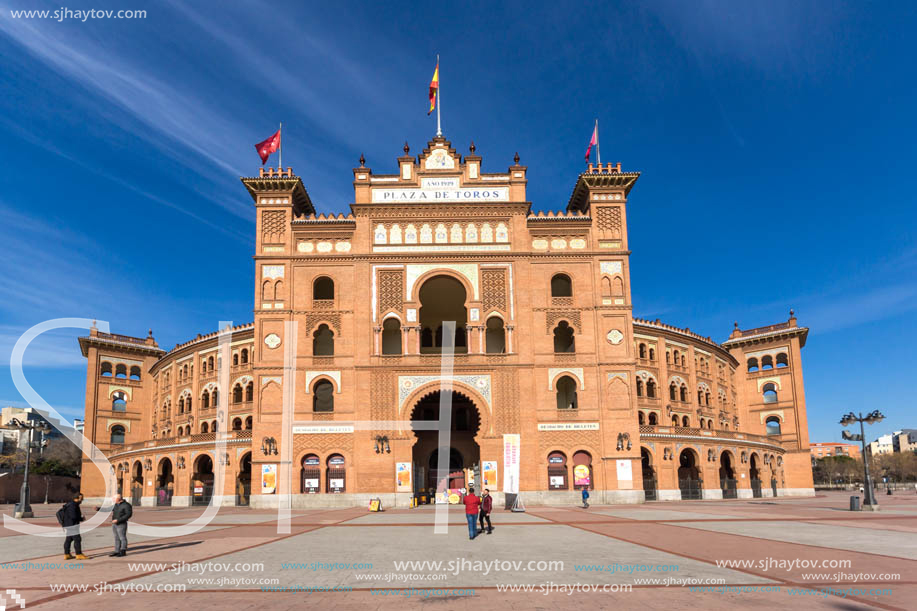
(625, 474)
(511, 447)
(268, 479)
(403, 476)
(489, 473)
(581, 475)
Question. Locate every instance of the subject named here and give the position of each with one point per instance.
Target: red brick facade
(348, 336)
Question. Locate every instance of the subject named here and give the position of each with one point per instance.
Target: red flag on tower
(268, 146)
(434, 87)
(594, 140)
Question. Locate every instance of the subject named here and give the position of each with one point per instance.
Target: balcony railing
(168, 441)
(648, 429)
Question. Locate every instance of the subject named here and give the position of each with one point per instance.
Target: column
(509, 338)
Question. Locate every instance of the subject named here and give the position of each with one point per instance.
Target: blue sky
(776, 142)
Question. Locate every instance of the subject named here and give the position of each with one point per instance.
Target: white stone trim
(576, 372)
(334, 375)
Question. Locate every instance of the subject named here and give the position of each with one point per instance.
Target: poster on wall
(511, 448)
(489, 473)
(625, 474)
(581, 475)
(403, 476)
(557, 482)
(268, 479)
(310, 485)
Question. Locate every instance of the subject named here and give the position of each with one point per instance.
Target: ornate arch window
(563, 338)
(323, 397)
(566, 393)
(769, 391)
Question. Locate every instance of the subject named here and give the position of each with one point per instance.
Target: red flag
(268, 146)
(592, 142)
(434, 87)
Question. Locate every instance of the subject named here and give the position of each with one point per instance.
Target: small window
(651, 388)
(752, 364)
(121, 371)
(244, 356)
(119, 402)
(767, 362)
(652, 354)
(773, 425)
(495, 336)
(235, 359)
(685, 422)
(639, 387)
(391, 336)
(561, 286)
(674, 420)
(323, 341)
(323, 397)
(770, 393)
(237, 393)
(653, 419)
(117, 435)
(642, 351)
(563, 338)
(782, 360)
(106, 369)
(205, 428)
(323, 288)
(566, 393)
(673, 392)
(249, 392)
(683, 393)
(135, 373)
(641, 419)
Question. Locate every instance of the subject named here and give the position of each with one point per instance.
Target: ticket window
(311, 474)
(336, 475)
(557, 471)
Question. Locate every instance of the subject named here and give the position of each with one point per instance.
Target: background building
(545, 348)
(823, 449)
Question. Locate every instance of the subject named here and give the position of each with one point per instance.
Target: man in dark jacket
(120, 514)
(71, 523)
(487, 505)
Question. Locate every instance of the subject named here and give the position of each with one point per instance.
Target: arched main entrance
(754, 475)
(165, 483)
(202, 480)
(244, 481)
(649, 475)
(464, 452)
(728, 482)
(689, 475)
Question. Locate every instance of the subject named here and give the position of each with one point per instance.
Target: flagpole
(598, 147)
(439, 131)
(280, 161)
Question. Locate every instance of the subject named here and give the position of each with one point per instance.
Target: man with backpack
(585, 498)
(120, 514)
(69, 516)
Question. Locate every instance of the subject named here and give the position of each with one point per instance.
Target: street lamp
(870, 418)
(25, 509)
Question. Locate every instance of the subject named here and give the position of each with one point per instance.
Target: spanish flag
(434, 88)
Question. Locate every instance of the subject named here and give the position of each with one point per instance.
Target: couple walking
(69, 516)
(478, 508)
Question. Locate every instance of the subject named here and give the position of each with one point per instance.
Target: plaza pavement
(689, 535)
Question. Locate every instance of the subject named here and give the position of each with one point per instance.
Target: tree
(60, 457)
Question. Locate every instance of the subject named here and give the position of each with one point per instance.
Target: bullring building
(555, 385)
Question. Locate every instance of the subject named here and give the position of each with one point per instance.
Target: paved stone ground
(687, 537)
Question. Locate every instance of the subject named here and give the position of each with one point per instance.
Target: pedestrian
(70, 516)
(472, 503)
(487, 504)
(585, 498)
(120, 514)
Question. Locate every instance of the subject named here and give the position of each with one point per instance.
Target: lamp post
(869, 499)
(25, 509)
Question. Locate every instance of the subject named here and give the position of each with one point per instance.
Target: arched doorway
(754, 476)
(336, 474)
(582, 471)
(165, 483)
(442, 299)
(244, 481)
(464, 452)
(728, 477)
(649, 475)
(311, 474)
(689, 475)
(557, 471)
(202, 481)
(136, 483)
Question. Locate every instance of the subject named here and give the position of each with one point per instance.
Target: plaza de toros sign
(441, 190)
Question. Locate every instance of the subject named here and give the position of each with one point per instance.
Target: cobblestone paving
(656, 556)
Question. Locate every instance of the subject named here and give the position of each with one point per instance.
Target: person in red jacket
(487, 505)
(472, 503)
